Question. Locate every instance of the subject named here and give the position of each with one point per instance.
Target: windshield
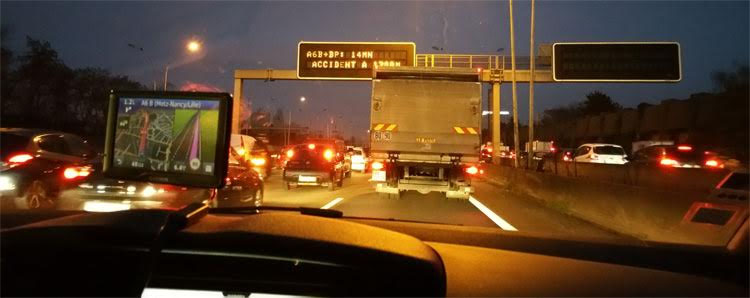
(609, 150)
(413, 108)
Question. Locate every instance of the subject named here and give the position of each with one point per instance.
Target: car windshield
(434, 112)
(609, 150)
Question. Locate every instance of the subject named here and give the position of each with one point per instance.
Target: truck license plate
(378, 175)
(307, 179)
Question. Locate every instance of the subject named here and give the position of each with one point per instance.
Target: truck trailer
(425, 126)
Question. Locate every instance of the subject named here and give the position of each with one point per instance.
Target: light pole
(531, 90)
(513, 75)
(192, 46)
(289, 125)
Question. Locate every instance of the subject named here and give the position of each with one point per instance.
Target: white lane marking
(499, 221)
(332, 203)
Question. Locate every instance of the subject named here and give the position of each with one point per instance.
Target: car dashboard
(123, 253)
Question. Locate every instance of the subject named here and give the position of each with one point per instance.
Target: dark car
(244, 186)
(679, 156)
(35, 165)
(314, 164)
(97, 193)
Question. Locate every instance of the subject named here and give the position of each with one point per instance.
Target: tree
(43, 92)
(596, 103)
(732, 82)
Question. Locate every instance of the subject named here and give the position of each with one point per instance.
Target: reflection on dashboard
(168, 293)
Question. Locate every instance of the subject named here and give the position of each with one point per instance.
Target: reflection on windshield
(624, 139)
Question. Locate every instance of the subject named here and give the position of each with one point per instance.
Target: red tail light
(328, 154)
(76, 172)
(289, 153)
(311, 146)
(665, 161)
(472, 170)
(712, 163)
(20, 158)
(684, 148)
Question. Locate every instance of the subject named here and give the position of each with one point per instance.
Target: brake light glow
(566, 158)
(489, 149)
(75, 172)
(377, 165)
(20, 158)
(311, 146)
(712, 163)
(328, 154)
(472, 170)
(258, 161)
(684, 148)
(668, 162)
(289, 153)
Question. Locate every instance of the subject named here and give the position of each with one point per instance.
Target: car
(252, 152)
(600, 153)
(359, 159)
(37, 164)
(339, 146)
(97, 193)
(314, 164)
(244, 187)
(677, 156)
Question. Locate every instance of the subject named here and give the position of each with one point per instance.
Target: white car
(359, 159)
(601, 153)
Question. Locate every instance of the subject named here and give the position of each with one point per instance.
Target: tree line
(40, 91)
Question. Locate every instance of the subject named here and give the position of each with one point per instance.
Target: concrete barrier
(656, 214)
(677, 179)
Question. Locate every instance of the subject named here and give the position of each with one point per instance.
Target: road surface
(489, 206)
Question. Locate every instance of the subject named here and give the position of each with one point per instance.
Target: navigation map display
(168, 135)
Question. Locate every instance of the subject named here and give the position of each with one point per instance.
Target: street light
(302, 99)
(192, 46)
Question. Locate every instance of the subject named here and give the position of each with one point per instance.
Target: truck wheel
(340, 183)
(349, 174)
(332, 183)
(288, 185)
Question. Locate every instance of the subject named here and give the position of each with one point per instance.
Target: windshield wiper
(332, 213)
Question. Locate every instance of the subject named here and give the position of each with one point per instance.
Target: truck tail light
(328, 154)
(289, 153)
(20, 158)
(684, 148)
(76, 172)
(377, 165)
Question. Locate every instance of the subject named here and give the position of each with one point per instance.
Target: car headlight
(7, 183)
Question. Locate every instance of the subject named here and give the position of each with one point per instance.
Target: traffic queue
(47, 169)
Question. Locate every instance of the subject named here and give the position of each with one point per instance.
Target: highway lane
(490, 206)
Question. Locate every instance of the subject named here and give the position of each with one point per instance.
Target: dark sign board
(616, 62)
(350, 60)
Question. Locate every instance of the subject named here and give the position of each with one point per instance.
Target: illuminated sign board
(350, 60)
(616, 62)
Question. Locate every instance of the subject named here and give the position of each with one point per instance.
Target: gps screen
(166, 135)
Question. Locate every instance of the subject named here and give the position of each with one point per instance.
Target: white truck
(425, 130)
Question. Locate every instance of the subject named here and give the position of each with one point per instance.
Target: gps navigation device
(179, 138)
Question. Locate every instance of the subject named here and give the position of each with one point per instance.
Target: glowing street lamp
(193, 46)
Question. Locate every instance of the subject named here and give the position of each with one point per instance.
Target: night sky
(244, 35)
